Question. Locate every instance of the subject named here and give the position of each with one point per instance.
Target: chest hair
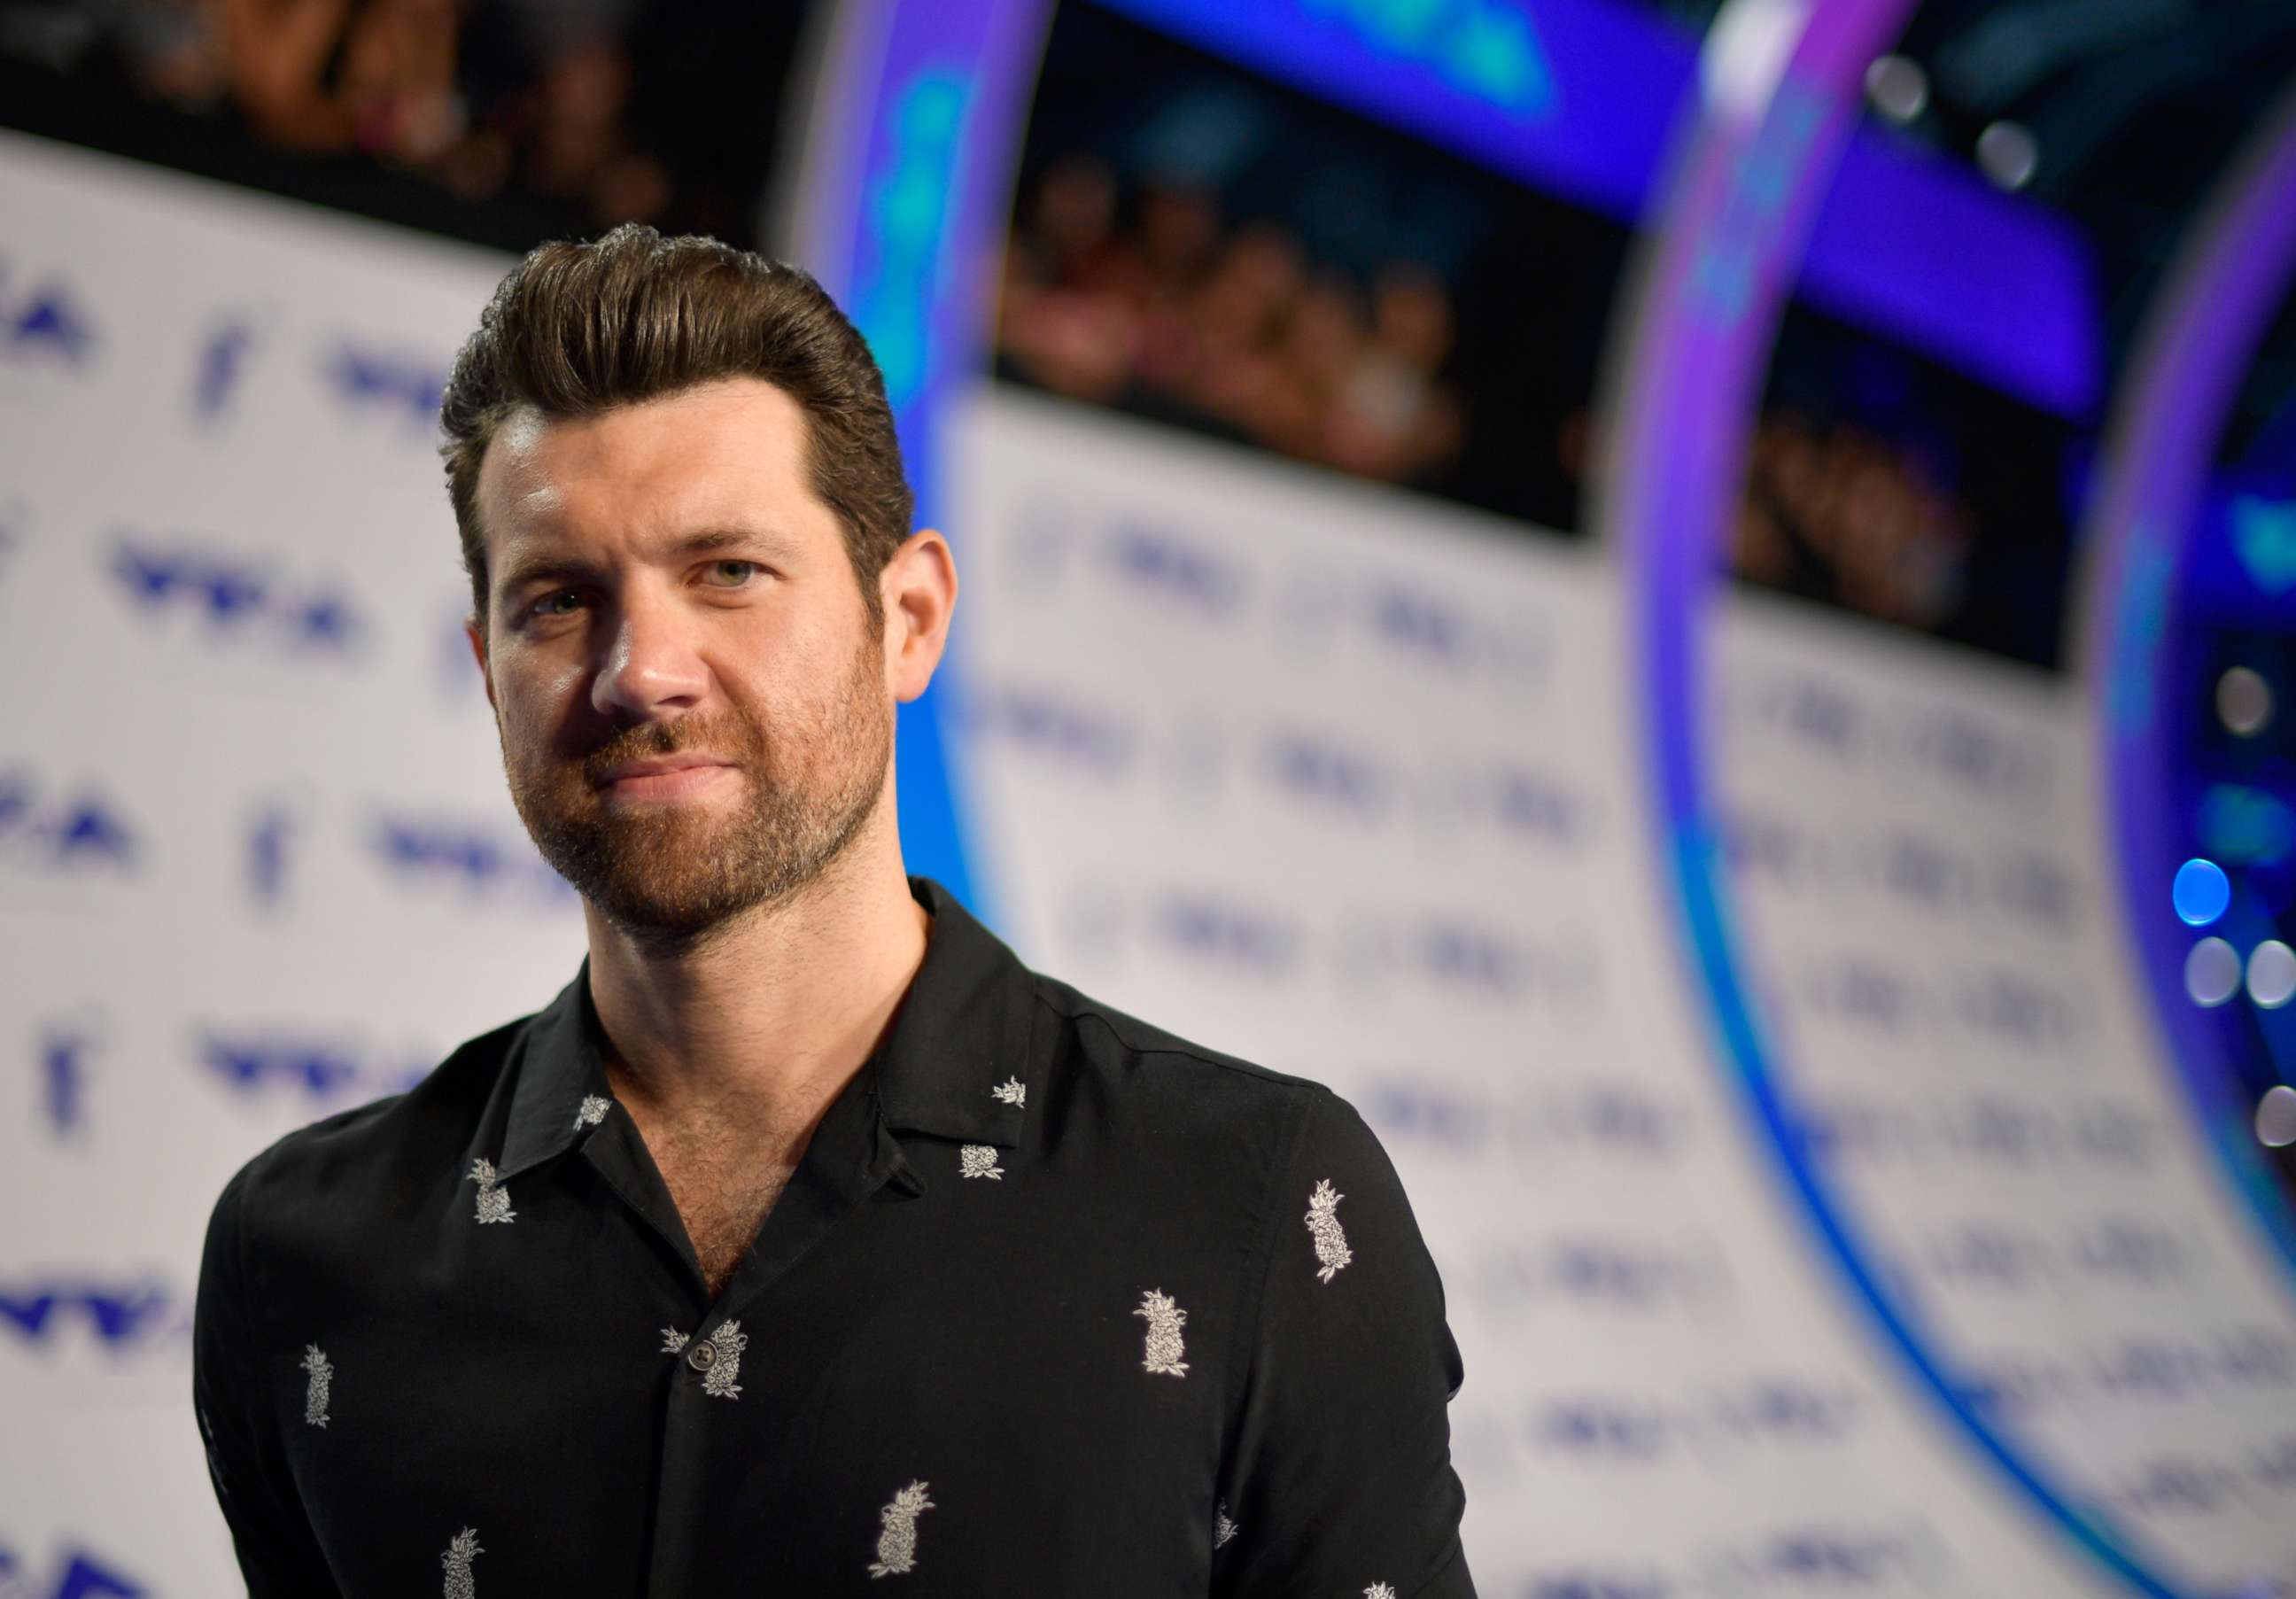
(723, 1189)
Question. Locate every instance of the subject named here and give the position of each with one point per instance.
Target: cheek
(533, 707)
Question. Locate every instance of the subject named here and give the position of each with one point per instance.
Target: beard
(670, 874)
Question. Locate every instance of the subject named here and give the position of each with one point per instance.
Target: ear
(919, 589)
(478, 637)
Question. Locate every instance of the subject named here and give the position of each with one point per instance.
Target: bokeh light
(2276, 1117)
(2244, 701)
(2212, 972)
(2202, 891)
(2271, 974)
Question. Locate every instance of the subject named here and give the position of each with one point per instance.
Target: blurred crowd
(1838, 514)
(1153, 301)
(531, 99)
(1143, 298)
(1832, 511)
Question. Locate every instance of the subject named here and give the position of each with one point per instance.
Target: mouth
(664, 780)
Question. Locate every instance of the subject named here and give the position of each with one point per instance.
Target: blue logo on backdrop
(81, 1575)
(1589, 1585)
(268, 838)
(63, 1055)
(1330, 774)
(45, 323)
(1419, 622)
(320, 1072)
(1172, 567)
(367, 380)
(222, 363)
(476, 859)
(234, 596)
(1227, 933)
(120, 1316)
(82, 833)
(1044, 719)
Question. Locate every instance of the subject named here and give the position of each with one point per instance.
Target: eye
(742, 572)
(547, 605)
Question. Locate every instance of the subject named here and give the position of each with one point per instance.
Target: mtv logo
(119, 1315)
(231, 593)
(222, 364)
(321, 1072)
(64, 1053)
(2264, 538)
(46, 324)
(367, 379)
(62, 835)
(80, 1574)
(480, 860)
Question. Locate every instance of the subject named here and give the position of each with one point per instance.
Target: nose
(652, 663)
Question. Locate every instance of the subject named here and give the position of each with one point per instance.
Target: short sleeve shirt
(1054, 1304)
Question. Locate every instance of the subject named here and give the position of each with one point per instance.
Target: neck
(763, 1023)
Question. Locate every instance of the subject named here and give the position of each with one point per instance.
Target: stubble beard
(673, 876)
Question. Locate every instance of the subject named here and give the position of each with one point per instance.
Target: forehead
(733, 449)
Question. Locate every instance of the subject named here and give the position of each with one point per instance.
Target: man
(807, 1241)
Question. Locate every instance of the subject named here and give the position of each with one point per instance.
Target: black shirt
(1054, 1305)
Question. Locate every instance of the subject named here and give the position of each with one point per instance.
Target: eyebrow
(549, 568)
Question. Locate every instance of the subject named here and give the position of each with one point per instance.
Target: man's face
(666, 588)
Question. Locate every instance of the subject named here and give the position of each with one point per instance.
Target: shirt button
(702, 1356)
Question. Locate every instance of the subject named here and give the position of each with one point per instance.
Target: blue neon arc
(1693, 368)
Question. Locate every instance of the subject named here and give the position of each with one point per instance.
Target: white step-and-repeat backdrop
(1328, 775)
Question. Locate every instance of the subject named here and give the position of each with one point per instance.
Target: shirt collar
(961, 1035)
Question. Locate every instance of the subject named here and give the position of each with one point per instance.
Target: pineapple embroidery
(719, 1382)
(457, 1561)
(896, 1541)
(1164, 1346)
(1222, 1529)
(1012, 1091)
(721, 1379)
(314, 1396)
(978, 1160)
(1332, 1251)
(1379, 1590)
(592, 1111)
(494, 1200)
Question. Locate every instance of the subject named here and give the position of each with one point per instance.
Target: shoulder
(344, 1164)
(1163, 1083)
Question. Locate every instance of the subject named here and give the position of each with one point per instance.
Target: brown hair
(577, 329)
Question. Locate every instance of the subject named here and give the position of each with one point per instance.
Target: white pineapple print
(1164, 1345)
(494, 1200)
(314, 1396)
(978, 1160)
(1222, 1529)
(1332, 1249)
(457, 1560)
(593, 1111)
(1012, 1091)
(722, 1380)
(896, 1541)
(1379, 1590)
(673, 1341)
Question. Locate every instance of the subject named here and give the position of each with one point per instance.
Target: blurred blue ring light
(2201, 892)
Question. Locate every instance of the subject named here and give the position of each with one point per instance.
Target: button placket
(702, 1355)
